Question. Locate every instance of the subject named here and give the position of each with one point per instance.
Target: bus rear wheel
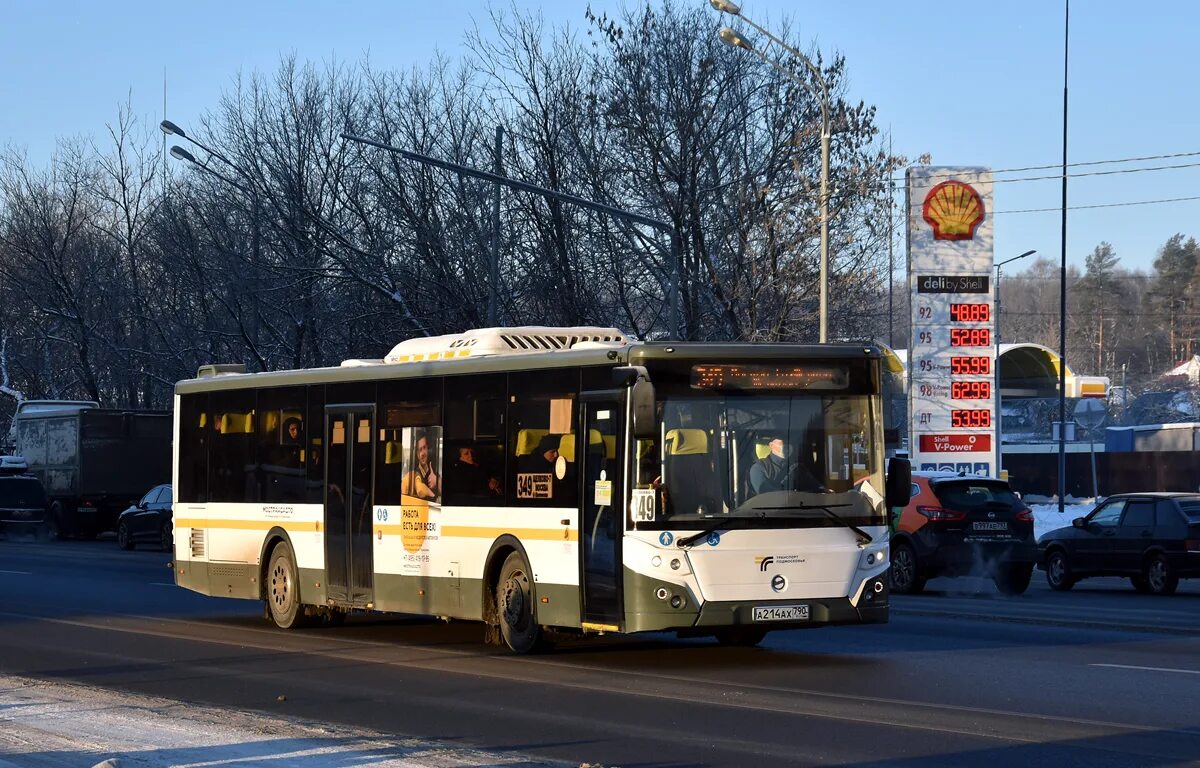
(283, 589)
(514, 604)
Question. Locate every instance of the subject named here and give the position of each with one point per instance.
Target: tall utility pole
(1062, 292)
(494, 265)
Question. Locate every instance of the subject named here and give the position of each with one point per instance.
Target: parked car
(148, 521)
(23, 504)
(1152, 538)
(958, 525)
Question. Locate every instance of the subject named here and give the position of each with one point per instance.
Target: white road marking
(19, 573)
(162, 584)
(1149, 669)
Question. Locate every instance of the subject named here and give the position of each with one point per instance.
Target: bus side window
(194, 436)
(542, 444)
(232, 464)
(414, 405)
(474, 459)
(281, 439)
(314, 449)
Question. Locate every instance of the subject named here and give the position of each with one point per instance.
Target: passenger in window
(476, 479)
(421, 481)
(779, 471)
(544, 457)
(291, 432)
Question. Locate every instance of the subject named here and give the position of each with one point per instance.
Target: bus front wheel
(283, 589)
(514, 604)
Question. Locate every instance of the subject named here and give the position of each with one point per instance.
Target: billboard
(951, 357)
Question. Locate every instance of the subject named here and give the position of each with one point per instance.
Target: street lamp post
(729, 37)
(996, 372)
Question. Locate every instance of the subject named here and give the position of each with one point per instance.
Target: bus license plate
(989, 526)
(781, 613)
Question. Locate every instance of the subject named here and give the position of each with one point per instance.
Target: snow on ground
(57, 724)
(1046, 517)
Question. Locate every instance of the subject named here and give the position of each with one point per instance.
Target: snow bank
(45, 723)
(1046, 517)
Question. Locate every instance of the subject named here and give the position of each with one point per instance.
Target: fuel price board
(951, 371)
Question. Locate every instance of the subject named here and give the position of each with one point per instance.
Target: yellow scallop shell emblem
(954, 210)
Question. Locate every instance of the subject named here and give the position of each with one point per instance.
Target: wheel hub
(279, 586)
(514, 602)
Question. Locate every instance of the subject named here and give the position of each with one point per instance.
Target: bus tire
(283, 589)
(514, 605)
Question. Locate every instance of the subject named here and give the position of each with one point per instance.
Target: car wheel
(1058, 571)
(740, 637)
(1013, 578)
(124, 540)
(514, 603)
(1160, 576)
(283, 589)
(1140, 584)
(905, 572)
(166, 538)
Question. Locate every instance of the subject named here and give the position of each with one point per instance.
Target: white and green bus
(545, 481)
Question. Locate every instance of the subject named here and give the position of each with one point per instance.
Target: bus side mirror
(641, 401)
(899, 483)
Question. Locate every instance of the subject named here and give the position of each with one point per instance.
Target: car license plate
(989, 526)
(781, 613)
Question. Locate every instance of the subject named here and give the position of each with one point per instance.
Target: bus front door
(601, 524)
(348, 504)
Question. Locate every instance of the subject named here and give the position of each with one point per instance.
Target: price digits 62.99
(970, 390)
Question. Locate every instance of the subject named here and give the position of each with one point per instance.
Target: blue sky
(969, 83)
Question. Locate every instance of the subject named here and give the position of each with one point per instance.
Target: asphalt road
(1100, 676)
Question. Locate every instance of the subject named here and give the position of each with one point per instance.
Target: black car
(958, 525)
(148, 521)
(1153, 538)
(22, 504)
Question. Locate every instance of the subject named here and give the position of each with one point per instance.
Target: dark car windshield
(1191, 509)
(21, 492)
(970, 494)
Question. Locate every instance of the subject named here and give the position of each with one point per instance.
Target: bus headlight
(872, 558)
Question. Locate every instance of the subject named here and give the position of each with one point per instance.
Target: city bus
(545, 482)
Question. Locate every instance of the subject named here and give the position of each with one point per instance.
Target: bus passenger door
(348, 504)
(601, 524)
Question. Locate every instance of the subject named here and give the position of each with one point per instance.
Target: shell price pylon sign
(951, 357)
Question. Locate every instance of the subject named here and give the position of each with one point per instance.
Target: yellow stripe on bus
(292, 526)
(533, 534)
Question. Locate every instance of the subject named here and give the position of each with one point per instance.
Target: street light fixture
(996, 372)
(732, 38)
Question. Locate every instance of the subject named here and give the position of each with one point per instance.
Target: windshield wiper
(704, 534)
(864, 538)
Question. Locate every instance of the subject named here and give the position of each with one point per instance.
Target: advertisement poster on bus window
(420, 486)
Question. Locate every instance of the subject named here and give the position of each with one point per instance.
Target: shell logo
(954, 210)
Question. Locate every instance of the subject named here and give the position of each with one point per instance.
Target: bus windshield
(775, 457)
